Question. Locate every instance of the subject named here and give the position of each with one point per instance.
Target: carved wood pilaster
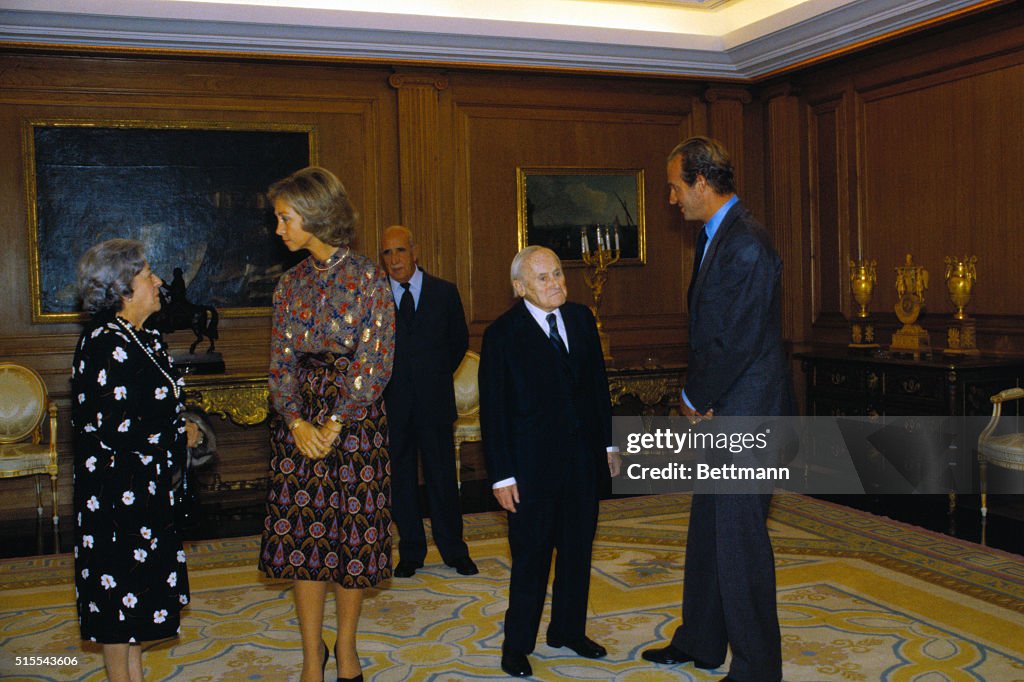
(725, 120)
(787, 217)
(419, 151)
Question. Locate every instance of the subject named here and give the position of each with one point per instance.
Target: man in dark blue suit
(737, 367)
(545, 413)
(430, 341)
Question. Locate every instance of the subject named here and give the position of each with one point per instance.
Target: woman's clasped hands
(314, 441)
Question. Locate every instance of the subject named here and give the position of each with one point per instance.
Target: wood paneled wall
(569, 123)
(435, 150)
(915, 148)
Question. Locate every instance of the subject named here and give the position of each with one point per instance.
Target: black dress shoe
(463, 566)
(357, 678)
(515, 663)
(407, 569)
(584, 646)
(670, 655)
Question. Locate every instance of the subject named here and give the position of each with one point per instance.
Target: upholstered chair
(24, 403)
(1005, 450)
(467, 404)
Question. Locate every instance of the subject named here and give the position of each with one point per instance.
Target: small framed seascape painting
(574, 211)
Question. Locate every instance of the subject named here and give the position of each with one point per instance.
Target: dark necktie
(556, 338)
(406, 307)
(698, 256)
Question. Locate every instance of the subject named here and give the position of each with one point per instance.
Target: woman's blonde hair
(318, 196)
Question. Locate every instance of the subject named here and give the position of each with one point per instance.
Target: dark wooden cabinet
(840, 384)
(892, 388)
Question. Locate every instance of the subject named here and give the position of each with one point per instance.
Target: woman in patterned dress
(130, 437)
(332, 343)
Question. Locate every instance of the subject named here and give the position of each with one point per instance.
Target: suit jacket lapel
(426, 297)
(424, 307)
(574, 330)
(529, 331)
(709, 255)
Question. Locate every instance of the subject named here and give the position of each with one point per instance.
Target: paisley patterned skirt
(329, 519)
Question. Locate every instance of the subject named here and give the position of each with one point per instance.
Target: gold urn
(961, 332)
(863, 277)
(960, 277)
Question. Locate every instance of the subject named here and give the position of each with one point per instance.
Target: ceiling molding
(796, 35)
(832, 32)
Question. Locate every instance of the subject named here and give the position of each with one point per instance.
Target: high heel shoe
(357, 678)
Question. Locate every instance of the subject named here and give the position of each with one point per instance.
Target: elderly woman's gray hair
(106, 271)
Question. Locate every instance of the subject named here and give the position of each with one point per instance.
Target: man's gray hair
(524, 255)
(403, 230)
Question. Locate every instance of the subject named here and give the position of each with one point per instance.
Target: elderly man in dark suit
(546, 420)
(430, 341)
(737, 367)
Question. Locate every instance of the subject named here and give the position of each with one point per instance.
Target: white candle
(584, 247)
(616, 237)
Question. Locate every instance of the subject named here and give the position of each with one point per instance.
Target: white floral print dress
(130, 577)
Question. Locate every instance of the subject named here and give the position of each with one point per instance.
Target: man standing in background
(430, 341)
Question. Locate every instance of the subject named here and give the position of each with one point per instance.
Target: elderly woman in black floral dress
(332, 347)
(130, 437)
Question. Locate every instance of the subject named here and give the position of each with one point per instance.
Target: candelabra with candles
(596, 273)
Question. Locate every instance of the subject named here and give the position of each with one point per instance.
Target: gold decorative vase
(911, 283)
(961, 334)
(863, 277)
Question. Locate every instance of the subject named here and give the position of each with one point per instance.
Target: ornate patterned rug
(860, 598)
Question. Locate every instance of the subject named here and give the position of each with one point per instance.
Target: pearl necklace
(127, 326)
(332, 265)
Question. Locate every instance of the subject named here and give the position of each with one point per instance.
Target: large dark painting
(558, 206)
(194, 194)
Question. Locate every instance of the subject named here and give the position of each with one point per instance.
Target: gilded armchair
(1005, 450)
(24, 404)
(467, 404)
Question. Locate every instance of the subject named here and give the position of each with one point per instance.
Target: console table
(242, 398)
(649, 390)
(245, 399)
(841, 384)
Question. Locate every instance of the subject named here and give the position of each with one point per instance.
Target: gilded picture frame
(192, 191)
(558, 205)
